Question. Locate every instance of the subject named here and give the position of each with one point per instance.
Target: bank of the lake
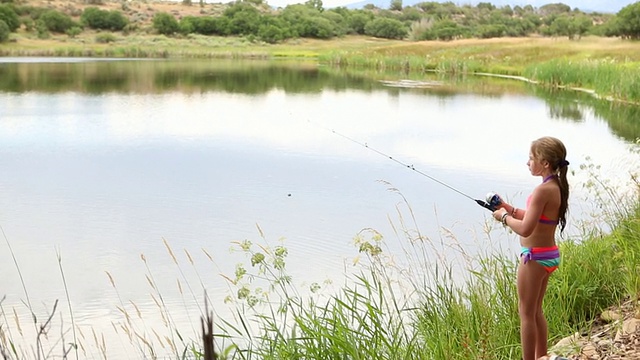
(608, 67)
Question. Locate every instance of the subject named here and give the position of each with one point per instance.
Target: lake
(126, 185)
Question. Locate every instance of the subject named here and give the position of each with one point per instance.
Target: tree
(315, 4)
(317, 27)
(9, 16)
(396, 5)
(486, 5)
(94, 18)
(244, 18)
(491, 31)
(358, 20)
(386, 28)
(116, 20)
(57, 22)
(4, 31)
(165, 23)
(628, 21)
(273, 30)
(103, 20)
(444, 29)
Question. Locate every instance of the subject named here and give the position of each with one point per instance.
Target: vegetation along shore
(553, 45)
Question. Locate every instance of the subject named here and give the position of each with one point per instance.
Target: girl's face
(536, 167)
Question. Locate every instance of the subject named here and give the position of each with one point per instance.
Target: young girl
(536, 225)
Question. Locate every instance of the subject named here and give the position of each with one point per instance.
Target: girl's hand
(498, 214)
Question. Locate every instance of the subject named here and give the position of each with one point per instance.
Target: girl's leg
(541, 321)
(531, 278)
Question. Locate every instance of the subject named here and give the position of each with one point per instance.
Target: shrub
(165, 23)
(386, 28)
(105, 38)
(104, 20)
(74, 31)
(41, 30)
(4, 31)
(10, 18)
(56, 21)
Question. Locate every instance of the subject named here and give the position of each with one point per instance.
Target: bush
(165, 23)
(41, 30)
(116, 20)
(10, 18)
(74, 31)
(103, 20)
(56, 21)
(386, 28)
(105, 38)
(4, 31)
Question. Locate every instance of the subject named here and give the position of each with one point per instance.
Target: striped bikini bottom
(548, 257)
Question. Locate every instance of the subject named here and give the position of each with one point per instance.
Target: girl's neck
(548, 177)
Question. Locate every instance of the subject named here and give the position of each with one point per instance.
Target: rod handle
(485, 205)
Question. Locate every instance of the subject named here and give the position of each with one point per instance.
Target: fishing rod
(492, 199)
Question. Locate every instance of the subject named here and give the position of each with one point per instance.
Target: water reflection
(260, 77)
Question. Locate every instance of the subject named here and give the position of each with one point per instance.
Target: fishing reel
(492, 201)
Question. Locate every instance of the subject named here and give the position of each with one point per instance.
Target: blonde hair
(553, 151)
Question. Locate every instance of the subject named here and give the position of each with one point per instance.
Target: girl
(546, 210)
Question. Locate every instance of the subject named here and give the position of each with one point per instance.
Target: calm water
(106, 163)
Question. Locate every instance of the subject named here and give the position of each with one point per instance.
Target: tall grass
(608, 78)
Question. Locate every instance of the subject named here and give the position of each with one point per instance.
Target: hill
(602, 6)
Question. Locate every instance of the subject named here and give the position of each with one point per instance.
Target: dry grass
(521, 51)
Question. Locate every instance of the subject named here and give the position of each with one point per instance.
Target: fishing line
(411, 167)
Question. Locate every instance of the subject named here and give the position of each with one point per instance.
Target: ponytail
(564, 194)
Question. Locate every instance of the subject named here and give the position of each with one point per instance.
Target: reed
(608, 78)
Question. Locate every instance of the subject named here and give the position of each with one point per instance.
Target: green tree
(187, 25)
(57, 22)
(386, 28)
(99, 19)
(4, 31)
(164, 23)
(396, 5)
(315, 4)
(339, 23)
(295, 14)
(358, 20)
(491, 31)
(74, 31)
(317, 27)
(116, 20)
(629, 21)
(486, 6)
(244, 18)
(273, 30)
(94, 18)
(445, 29)
(580, 25)
(9, 16)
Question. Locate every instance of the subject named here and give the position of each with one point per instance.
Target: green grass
(609, 78)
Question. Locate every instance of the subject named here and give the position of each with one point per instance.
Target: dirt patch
(139, 13)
